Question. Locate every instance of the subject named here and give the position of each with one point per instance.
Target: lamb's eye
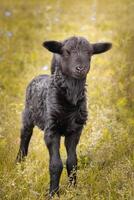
(67, 53)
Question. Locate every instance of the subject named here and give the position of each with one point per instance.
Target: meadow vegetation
(106, 149)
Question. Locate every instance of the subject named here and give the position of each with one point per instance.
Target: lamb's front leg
(55, 163)
(71, 142)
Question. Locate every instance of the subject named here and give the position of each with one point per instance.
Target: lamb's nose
(80, 69)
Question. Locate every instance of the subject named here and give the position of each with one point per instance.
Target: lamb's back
(35, 103)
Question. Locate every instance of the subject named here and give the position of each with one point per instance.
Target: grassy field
(106, 149)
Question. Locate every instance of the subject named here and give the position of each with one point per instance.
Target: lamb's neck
(75, 90)
(72, 89)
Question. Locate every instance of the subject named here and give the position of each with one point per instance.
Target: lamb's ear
(101, 47)
(53, 46)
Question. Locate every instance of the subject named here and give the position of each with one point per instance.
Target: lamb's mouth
(79, 75)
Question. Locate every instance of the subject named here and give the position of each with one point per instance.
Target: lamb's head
(75, 55)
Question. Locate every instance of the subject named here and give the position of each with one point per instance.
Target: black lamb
(56, 103)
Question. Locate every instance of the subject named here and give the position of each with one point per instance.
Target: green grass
(106, 150)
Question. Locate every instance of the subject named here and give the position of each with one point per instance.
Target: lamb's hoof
(20, 158)
(52, 194)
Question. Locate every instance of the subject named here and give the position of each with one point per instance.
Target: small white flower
(7, 13)
(93, 18)
(9, 34)
(45, 67)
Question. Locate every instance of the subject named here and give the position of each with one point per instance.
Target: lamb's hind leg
(26, 133)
